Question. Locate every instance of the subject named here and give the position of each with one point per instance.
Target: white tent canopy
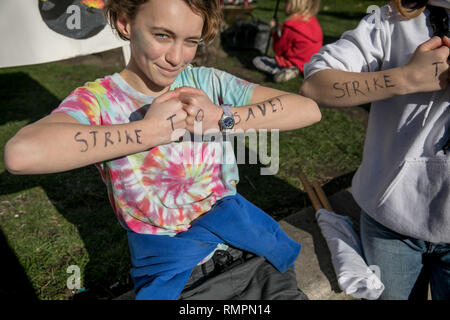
(26, 38)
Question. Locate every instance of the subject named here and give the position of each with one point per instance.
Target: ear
(123, 25)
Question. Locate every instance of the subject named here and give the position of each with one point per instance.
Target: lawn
(49, 222)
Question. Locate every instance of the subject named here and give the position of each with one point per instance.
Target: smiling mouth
(170, 71)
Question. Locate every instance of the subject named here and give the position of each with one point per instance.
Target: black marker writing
(200, 115)
(262, 109)
(273, 106)
(171, 121)
(250, 112)
(436, 64)
(356, 88)
(94, 134)
(237, 118)
(91, 138)
(138, 136)
(107, 138)
(281, 104)
(128, 138)
(82, 141)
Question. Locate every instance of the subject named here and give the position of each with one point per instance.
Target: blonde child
(298, 39)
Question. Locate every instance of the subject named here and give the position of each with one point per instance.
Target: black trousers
(238, 275)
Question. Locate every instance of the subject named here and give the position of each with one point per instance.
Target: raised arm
(59, 142)
(426, 71)
(268, 109)
(274, 109)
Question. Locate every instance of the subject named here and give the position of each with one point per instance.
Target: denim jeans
(267, 64)
(406, 264)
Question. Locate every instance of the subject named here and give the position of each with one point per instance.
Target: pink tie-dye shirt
(161, 190)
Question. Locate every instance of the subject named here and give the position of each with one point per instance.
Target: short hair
(410, 8)
(305, 8)
(209, 9)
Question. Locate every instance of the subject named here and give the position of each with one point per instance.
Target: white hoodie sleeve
(359, 50)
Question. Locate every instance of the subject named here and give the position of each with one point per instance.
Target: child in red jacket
(299, 38)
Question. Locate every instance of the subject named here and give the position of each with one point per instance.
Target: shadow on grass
(15, 284)
(22, 98)
(79, 195)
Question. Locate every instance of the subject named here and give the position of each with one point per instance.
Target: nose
(174, 55)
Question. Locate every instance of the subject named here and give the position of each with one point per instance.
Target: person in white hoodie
(397, 60)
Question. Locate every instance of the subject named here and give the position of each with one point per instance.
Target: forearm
(335, 88)
(284, 112)
(56, 147)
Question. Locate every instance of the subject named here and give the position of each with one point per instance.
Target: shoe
(286, 74)
(266, 64)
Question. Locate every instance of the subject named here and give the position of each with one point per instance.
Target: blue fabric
(162, 264)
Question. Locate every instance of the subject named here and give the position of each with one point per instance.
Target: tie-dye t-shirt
(157, 191)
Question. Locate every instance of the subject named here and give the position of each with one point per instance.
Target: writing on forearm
(237, 117)
(436, 65)
(272, 106)
(171, 121)
(200, 115)
(355, 88)
(94, 139)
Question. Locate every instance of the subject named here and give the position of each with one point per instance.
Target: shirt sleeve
(82, 105)
(359, 50)
(232, 90)
(221, 87)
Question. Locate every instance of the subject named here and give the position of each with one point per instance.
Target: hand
(273, 23)
(446, 42)
(167, 113)
(428, 68)
(200, 110)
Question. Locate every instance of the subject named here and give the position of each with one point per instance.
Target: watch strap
(226, 108)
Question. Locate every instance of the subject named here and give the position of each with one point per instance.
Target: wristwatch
(227, 120)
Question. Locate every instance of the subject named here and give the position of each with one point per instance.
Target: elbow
(306, 90)
(15, 157)
(310, 90)
(316, 114)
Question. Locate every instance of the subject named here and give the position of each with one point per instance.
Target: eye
(194, 42)
(161, 36)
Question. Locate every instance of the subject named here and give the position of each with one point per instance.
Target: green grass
(54, 221)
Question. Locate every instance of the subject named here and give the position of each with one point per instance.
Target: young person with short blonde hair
(299, 37)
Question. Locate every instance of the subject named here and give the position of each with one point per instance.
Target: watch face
(228, 122)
